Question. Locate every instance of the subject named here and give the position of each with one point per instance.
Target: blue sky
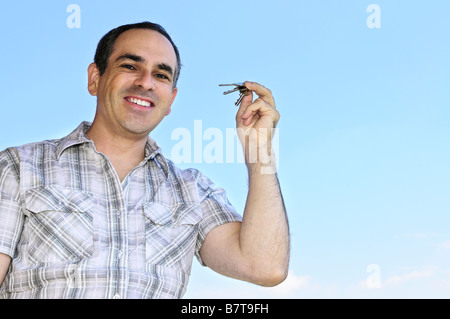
(363, 136)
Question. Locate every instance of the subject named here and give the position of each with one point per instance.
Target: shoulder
(51, 147)
(9, 158)
(32, 148)
(14, 157)
(190, 175)
(9, 173)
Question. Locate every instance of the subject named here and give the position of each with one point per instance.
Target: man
(102, 214)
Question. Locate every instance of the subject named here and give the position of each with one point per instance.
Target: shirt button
(117, 296)
(119, 254)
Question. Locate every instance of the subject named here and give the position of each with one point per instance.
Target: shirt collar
(78, 136)
(153, 152)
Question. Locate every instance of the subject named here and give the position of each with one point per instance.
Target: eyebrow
(166, 67)
(133, 57)
(139, 59)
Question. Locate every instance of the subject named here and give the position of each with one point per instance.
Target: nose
(145, 81)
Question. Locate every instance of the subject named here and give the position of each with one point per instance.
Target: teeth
(139, 102)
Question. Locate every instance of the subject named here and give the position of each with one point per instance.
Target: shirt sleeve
(11, 217)
(217, 210)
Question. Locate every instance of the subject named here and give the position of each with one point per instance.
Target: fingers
(256, 110)
(264, 93)
(257, 106)
(251, 111)
(246, 101)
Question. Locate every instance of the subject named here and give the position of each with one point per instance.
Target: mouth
(139, 102)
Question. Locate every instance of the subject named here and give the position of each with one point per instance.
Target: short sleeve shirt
(74, 230)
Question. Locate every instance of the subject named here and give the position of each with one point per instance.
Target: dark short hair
(106, 45)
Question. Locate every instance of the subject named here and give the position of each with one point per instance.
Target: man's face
(136, 91)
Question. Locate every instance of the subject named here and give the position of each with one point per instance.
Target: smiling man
(134, 93)
(101, 213)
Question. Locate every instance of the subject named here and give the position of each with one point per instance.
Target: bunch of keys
(238, 87)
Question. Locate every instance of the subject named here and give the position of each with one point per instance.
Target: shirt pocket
(171, 233)
(59, 226)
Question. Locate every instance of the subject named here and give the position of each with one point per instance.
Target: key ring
(243, 91)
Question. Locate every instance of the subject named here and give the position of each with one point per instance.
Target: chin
(135, 129)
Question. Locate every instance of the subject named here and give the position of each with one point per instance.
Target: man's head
(106, 45)
(134, 80)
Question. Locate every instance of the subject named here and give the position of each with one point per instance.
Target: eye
(128, 66)
(162, 76)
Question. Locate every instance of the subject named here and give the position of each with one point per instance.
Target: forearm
(264, 236)
(5, 260)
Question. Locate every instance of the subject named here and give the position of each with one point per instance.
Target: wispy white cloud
(290, 286)
(425, 272)
(422, 235)
(445, 244)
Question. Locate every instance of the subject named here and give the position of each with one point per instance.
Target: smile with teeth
(139, 102)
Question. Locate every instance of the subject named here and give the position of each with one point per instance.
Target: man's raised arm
(256, 250)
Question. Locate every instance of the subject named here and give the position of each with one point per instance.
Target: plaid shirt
(74, 230)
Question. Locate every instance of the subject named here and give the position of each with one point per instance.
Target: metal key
(243, 91)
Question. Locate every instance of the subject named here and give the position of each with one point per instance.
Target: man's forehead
(144, 42)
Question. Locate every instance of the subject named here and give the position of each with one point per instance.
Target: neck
(124, 153)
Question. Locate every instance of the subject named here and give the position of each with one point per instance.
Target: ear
(93, 78)
(174, 94)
